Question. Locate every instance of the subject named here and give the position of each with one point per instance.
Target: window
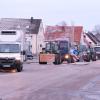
(8, 32)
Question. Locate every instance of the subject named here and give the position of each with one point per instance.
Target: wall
(87, 38)
(38, 40)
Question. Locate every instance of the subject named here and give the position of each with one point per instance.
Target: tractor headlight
(66, 56)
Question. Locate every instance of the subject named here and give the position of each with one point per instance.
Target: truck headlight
(66, 56)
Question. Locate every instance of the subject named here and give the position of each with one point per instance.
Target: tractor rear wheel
(57, 59)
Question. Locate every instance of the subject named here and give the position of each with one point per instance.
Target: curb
(80, 63)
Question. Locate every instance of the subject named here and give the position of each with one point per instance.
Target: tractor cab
(51, 47)
(61, 47)
(55, 51)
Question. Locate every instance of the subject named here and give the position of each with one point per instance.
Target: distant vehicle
(12, 49)
(29, 56)
(97, 50)
(89, 54)
(56, 51)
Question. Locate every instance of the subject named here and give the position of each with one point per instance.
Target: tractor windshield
(51, 47)
(63, 46)
(57, 46)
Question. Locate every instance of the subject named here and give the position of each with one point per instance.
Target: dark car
(29, 56)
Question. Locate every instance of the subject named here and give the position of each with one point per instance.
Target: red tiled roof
(77, 33)
(53, 32)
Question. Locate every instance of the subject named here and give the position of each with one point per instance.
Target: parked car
(29, 56)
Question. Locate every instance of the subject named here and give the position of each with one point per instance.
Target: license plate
(6, 65)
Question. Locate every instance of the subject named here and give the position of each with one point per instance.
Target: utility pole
(36, 46)
(72, 29)
(30, 34)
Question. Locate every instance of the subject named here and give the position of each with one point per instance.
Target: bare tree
(97, 29)
(62, 23)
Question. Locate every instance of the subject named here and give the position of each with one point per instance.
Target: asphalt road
(80, 81)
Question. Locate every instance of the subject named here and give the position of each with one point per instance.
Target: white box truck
(12, 49)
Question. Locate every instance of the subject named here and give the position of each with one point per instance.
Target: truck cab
(11, 56)
(12, 52)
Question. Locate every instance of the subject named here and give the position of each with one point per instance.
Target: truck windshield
(9, 48)
(97, 49)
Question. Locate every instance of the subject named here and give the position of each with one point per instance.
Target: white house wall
(38, 39)
(82, 40)
(87, 38)
(33, 43)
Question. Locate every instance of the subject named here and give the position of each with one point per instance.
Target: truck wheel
(19, 68)
(42, 62)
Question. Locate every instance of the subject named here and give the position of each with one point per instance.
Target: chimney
(32, 20)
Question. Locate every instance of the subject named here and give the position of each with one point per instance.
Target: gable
(20, 23)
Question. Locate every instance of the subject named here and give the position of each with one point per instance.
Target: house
(89, 39)
(71, 33)
(33, 28)
(98, 37)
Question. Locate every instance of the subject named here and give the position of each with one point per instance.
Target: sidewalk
(34, 60)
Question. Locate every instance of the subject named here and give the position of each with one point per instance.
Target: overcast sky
(78, 12)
